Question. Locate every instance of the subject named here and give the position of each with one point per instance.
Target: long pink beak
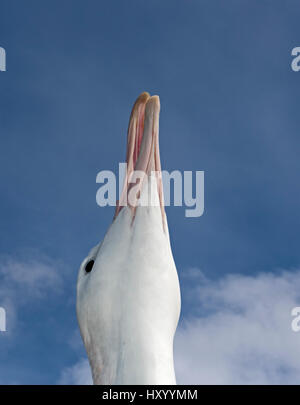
(142, 150)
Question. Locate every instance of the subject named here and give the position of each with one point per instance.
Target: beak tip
(153, 103)
(144, 96)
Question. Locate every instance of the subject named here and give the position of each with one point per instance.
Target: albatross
(128, 294)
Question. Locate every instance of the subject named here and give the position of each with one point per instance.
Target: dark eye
(89, 266)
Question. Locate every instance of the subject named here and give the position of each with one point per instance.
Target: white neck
(135, 360)
(128, 306)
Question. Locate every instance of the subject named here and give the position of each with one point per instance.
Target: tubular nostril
(89, 266)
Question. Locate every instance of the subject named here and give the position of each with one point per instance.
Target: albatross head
(128, 298)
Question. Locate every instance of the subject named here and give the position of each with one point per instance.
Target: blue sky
(229, 107)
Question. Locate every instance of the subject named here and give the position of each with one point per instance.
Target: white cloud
(34, 275)
(23, 280)
(78, 374)
(243, 335)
